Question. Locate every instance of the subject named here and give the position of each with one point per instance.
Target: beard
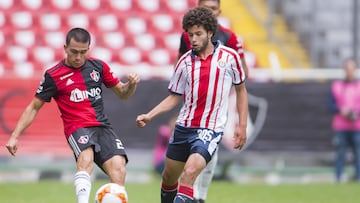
(203, 47)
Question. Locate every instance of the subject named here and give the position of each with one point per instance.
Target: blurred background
(294, 49)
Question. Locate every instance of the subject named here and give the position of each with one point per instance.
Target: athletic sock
(168, 192)
(185, 195)
(82, 184)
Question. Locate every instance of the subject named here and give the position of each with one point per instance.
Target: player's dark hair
(79, 35)
(200, 16)
(209, 0)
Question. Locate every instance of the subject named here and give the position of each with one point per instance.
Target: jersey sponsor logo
(81, 95)
(69, 82)
(205, 135)
(95, 75)
(83, 139)
(66, 76)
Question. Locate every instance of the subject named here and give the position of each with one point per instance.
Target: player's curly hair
(200, 16)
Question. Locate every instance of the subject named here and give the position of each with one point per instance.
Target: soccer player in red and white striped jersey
(202, 79)
(229, 39)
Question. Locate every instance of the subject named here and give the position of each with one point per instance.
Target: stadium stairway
(249, 20)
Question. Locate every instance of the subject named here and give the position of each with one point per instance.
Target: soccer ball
(111, 193)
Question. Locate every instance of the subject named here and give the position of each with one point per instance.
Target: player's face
(76, 53)
(212, 4)
(350, 70)
(199, 38)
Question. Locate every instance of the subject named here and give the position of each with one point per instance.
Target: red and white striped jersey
(205, 85)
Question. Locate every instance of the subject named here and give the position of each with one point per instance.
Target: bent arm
(164, 106)
(126, 90)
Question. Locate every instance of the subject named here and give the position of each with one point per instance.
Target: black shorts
(103, 140)
(186, 141)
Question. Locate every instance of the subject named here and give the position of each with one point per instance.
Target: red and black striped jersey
(78, 92)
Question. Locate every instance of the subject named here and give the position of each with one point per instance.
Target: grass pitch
(219, 192)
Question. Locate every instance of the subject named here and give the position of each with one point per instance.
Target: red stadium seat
(33, 5)
(120, 6)
(176, 6)
(113, 40)
(129, 56)
(7, 6)
(101, 53)
(135, 25)
(91, 5)
(158, 57)
(54, 39)
(77, 20)
(148, 6)
(61, 4)
(21, 19)
(50, 21)
(145, 41)
(43, 55)
(107, 22)
(17, 53)
(162, 23)
(172, 41)
(24, 38)
(24, 69)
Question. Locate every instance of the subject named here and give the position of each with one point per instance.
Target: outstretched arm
(24, 122)
(164, 106)
(126, 90)
(242, 108)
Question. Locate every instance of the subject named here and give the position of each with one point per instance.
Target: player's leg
(356, 152)
(203, 181)
(176, 156)
(204, 143)
(82, 180)
(170, 176)
(194, 165)
(341, 145)
(115, 169)
(81, 143)
(111, 156)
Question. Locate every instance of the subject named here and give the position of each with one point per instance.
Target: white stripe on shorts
(74, 145)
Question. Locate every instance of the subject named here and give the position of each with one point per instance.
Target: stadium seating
(123, 31)
(326, 28)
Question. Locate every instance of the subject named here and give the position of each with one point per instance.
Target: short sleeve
(178, 80)
(109, 78)
(47, 88)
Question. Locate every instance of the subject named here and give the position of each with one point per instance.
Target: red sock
(187, 191)
(169, 187)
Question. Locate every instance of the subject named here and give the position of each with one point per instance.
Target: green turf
(220, 192)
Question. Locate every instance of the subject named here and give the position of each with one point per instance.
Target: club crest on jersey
(221, 64)
(95, 75)
(83, 139)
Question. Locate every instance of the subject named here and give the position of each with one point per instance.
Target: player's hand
(239, 138)
(133, 79)
(12, 145)
(142, 120)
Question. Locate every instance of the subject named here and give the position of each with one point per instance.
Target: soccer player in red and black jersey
(75, 83)
(229, 39)
(202, 80)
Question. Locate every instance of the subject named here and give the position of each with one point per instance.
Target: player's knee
(189, 175)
